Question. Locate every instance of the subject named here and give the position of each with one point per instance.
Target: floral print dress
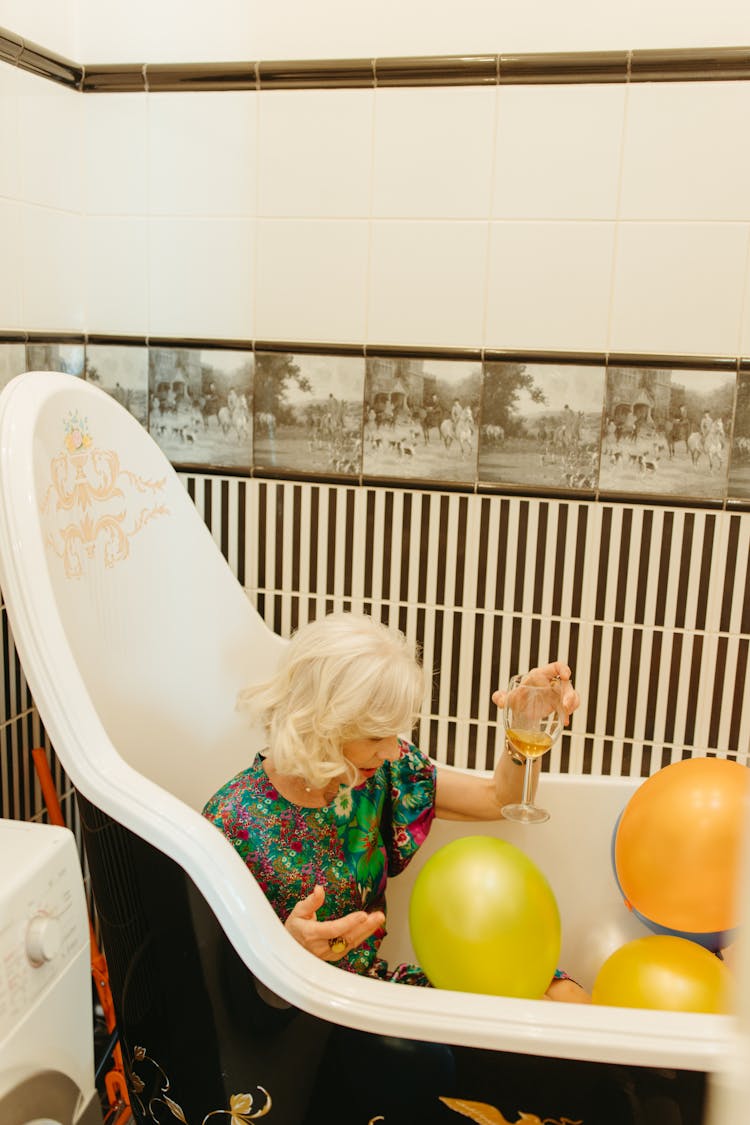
(350, 847)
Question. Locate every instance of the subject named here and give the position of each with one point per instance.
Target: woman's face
(368, 754)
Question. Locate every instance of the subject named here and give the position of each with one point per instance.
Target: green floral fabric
(350, 847)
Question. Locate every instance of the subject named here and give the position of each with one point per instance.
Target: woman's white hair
(341, 678)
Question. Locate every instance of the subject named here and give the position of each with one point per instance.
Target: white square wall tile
(116, 275)
(678, 287)
(10, 178)
(11, 275)
(115, 157)
(50, 144)
(427, 283)
(202, 153)
(168, 31)
(685, 154)
(200, 277)
(433, 152)
(745, 327)
(311, 279)
(329, 31)
(549, 285)
(51, 25)
(558, 152)
(723, 22)
(51, 268)
(314, 153)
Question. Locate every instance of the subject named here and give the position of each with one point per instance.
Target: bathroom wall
(515, 218)
(610, 217)
(186, 30)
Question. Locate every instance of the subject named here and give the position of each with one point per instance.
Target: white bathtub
(573, 849)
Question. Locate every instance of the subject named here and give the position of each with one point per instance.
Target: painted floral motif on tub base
(96, 505)
(485, 1114)
(241, 1109)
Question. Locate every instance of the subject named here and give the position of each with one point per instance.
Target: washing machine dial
(43, 938)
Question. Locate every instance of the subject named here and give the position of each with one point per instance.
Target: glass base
(525, 814)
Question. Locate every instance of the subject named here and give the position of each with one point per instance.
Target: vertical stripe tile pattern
(650, 607)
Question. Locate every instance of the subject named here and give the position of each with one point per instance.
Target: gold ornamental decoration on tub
(484, 1114)
(241, 1109)
(94, 505)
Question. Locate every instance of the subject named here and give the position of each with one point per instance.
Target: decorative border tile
(12, 360)
(666, 435)
(200, 409)
(541, 426)
(527, 454)
(308, 413)
(50, 355)
(421, 419)
(121, 371)
(739, 465)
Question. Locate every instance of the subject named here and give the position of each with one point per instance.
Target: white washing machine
(46, 1035)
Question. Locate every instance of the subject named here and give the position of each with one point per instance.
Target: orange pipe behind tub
(114, 1080)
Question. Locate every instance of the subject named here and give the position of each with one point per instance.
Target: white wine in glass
(533, 718)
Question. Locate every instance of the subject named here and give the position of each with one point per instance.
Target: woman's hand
(320, 938)
(548, 673)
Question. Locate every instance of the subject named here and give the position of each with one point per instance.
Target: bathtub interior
(572, 849)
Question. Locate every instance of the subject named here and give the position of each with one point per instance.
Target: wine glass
(533, 718)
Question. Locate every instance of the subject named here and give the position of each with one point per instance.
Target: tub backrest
(150, 614)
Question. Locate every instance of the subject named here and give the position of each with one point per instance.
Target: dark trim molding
(11, 46)
(55, 338)
(116, 78)
(369, 351)
(290, 347)
(118, 341)
(317, 74)
(720, 64)
(38, 60)
(388, 350)
(674, 362)
(714, 64)
(591, 359)
(574, 67)
(447, 70)
(177, 77)
(30, 56)
(202, 345)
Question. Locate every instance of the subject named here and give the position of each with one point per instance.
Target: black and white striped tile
(649, 605)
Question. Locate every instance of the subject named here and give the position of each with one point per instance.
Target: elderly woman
(340, 801)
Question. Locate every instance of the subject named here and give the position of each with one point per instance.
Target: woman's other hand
(547, 674)
(324, 939)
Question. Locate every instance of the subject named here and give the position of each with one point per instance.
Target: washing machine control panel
(43, 919)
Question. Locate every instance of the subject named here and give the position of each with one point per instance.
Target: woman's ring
(337, 944)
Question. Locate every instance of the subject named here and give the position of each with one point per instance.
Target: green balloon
(483, 918)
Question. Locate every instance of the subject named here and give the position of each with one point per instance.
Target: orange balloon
(677, 846)
(663, 972)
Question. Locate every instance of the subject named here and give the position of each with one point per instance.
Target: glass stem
(528, 775)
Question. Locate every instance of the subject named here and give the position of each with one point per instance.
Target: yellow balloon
(664, 972)
(483, 918)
